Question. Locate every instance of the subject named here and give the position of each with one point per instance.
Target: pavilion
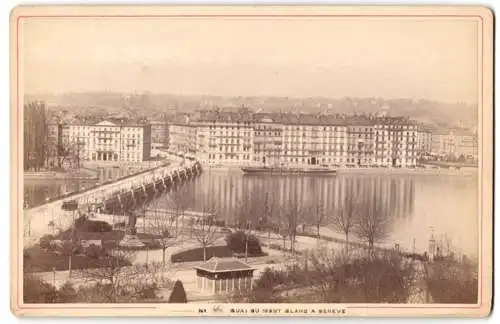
(227, 275)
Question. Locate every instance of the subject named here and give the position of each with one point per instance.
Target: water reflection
(413, 205)
(37, 191)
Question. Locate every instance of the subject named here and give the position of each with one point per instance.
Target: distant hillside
(155, 105)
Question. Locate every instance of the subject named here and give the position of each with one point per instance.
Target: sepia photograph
(251, 161)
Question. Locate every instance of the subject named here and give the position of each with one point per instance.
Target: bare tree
(163, 226)
(372, 224)
(283, 231)
(345, 218)
(319, 218)
(268, 208)
(247, 214)
(206, 235)
(293, 214)
(35, 135)
(117, 281)
(180, 199)
(317, 210)
(206, 230)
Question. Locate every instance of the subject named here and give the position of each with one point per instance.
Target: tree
(241, 242)
(372, 223)
(345, 218)
(292, 215)
(163, 227)
(319, 217)
(342, 279)
(178, 294)
(206, 235)
(110, 278)
(35, 135)
(268, 208)
(36, 290)
(205, 229)
(317, 210)
(116, 281)
(181, 200)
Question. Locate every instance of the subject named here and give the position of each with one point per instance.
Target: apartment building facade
(159, 134)
(107, 141)
(268, 142)
(424, 139)
(396, 143)
(215, 138)
(360, 143)
(54, 142)
(314, 140)
(290, 139)
(182, 138)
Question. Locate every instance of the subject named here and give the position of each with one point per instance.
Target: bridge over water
(116, 197)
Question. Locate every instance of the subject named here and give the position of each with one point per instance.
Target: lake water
(37, 190)
(415, 205)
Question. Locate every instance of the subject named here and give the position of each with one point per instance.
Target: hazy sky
(431, 59)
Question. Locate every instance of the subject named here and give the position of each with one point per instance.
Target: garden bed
(48, 256)
(110, 239)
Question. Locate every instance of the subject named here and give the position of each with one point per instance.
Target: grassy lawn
(105, 236)
(110, 239)
(37, 259)
(42, 260)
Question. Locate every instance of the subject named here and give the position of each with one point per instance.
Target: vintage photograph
(252, 161)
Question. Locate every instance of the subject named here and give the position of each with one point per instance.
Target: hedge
(197, 254)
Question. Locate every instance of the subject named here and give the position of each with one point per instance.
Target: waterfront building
(107, 142)
(466, 144)
(454, 144)
(441, 144)
(215, 138)
(395, 142)
(235, 138)
(314, 140)
(159, 134)
(54, 142)
(182, 137)
(268, 141)
(424, 140)
(360, 143)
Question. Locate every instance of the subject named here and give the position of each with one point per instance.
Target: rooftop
(223, 265)
(109, 122)
(302, 119)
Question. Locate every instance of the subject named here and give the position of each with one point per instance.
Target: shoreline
(53, 175)
(424, 172)
(385, 171)
(58, 177)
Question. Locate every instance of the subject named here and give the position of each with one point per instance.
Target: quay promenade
(123, 193)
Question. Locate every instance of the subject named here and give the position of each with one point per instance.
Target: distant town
(242, 136)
